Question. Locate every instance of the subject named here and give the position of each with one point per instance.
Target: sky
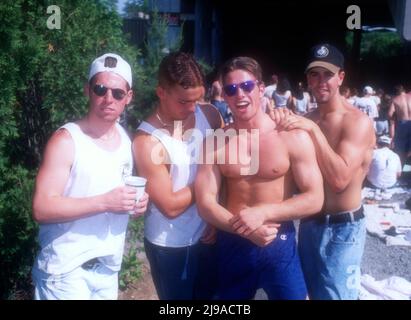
(120, 5)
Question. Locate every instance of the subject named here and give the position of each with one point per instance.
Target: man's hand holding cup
(139, 183)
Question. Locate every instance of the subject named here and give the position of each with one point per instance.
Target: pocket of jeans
(345, 233)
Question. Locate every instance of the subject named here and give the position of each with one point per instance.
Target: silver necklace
(161, 121)
(166, 124)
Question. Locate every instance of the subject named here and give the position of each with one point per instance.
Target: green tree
(155, 49)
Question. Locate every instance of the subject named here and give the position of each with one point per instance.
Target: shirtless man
(400, 113)
(257, 197)
(331, 244)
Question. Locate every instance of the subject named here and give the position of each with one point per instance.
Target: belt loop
(327, 219)
(352, 218)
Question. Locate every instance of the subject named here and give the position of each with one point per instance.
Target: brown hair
(242, 63)
(179, 68)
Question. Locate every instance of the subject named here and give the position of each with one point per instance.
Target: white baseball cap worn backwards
(111, 62)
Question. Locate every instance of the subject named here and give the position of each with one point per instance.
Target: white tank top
(65, 246)
(187, 228)
(301, 106)
(281, 99)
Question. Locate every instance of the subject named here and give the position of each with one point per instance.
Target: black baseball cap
(326, 56)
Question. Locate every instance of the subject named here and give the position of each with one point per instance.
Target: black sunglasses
(101, 91)
(247, 86)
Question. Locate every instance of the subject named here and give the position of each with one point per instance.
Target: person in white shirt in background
(282, 97)
(268, 90)
(377, 96)
(367, 104)
(353, 96)
(385, 167)
(301, 100)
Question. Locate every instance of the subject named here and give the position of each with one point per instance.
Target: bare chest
(264, 157)
(332, 130)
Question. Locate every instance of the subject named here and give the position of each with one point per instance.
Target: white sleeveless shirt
(281, 99)
(65, 246)
(187, 228)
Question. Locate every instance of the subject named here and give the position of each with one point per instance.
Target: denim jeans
(96, 282)
(185, 273)
(331, 256)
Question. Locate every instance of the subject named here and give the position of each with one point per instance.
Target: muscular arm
(307, 177)
(339, 166)
(213, 116)
(207, 188)
(159, 185)
(49, 204)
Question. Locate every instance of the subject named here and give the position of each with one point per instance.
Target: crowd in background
(388, 160)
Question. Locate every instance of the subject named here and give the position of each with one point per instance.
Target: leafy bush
(131, 266)
(17, 231)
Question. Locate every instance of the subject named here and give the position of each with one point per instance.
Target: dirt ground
(143, 289)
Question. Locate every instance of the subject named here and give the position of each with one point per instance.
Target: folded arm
(150, 158)
(207, 189)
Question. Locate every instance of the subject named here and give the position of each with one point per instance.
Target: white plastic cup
(139, 183)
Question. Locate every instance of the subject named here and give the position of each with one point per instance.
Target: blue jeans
(402, 137)
(185, 273)
(331, 256)
(245, 267)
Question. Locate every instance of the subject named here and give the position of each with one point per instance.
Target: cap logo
(322, 52)
(110, 62)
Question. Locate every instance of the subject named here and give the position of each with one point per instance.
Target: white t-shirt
(268, 91)
(377, 100)
(368, 106)
(384, 167)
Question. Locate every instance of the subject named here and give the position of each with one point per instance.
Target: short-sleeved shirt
(384, 167)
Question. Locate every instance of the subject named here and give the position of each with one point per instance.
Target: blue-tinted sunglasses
(247, 86)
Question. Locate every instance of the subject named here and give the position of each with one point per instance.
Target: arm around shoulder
(340, 164)
(213, 116)
(307, 178)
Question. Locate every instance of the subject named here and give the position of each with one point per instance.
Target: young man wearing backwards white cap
(331, 244)
(80, 199)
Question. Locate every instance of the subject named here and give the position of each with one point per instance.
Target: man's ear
(341, 76)
(160, 92)
(130, 94)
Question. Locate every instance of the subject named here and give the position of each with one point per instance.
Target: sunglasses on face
(247, 86)
(101, 91)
